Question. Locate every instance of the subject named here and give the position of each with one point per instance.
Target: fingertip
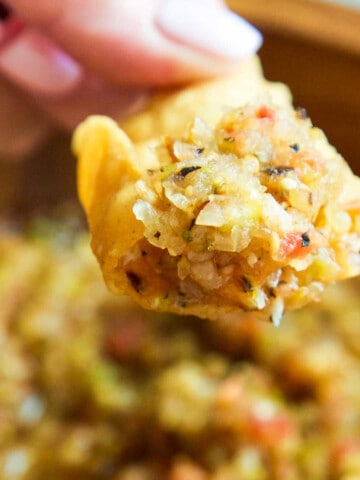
(167, 43)
(36, 64)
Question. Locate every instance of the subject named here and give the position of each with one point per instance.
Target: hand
(62, 60)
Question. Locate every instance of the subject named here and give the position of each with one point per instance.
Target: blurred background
(350, 3)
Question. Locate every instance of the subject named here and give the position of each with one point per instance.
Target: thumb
(142, 43)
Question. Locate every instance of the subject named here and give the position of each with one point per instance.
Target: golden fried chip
(251, 215)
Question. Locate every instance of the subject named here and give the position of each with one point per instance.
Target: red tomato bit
(265, 112)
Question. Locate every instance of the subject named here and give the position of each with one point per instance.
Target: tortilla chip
(236, 212)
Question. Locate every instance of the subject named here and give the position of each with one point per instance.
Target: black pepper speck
(305, 240)
(186, 170)
(280, 170)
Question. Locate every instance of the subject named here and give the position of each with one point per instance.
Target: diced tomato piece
(270, 431)
(345, 448)
(304, 163)
(265, 112)
(295, 244)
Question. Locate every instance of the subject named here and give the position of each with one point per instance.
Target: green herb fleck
(186, 235)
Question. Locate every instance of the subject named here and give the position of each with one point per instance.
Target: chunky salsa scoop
(250, 216)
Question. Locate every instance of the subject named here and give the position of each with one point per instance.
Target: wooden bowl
(312, 46)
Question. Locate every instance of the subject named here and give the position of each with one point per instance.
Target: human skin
(66, 59)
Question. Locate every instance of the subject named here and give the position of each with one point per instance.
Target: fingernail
(208, 27)
(36, 64)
